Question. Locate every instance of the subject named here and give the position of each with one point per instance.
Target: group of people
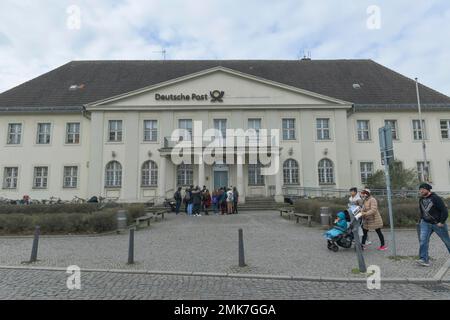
(223, 200)
(433, 217)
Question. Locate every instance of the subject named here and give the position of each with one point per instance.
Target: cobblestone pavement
(273, 245)
(36, 284)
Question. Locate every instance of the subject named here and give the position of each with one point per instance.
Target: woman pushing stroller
(371, 218)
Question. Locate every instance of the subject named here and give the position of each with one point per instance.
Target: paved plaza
(209, 244)
(33, 284)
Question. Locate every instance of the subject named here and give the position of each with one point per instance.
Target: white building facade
(119, 146)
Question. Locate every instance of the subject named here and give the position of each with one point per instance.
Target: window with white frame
(394, 128)
(255, 178)
(113, 175)
(149, 174)
(115, 133)
(366, 171)
(73, 133)
(40, 179)
(14, 133)
(151, 130)
(43, 133)
(290, 172)
(254, 124)
(185, 174)
(326, 172)
(186, 126)
(445, 129)
(221, 126)
(288, 129)
(363, 129)
(70, 177)
(419, 131)
(323, 129)
(422, 172)
(10, 176)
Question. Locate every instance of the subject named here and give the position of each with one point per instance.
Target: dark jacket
(433, 209)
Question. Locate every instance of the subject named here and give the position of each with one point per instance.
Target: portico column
(279, 185)
(162, 180)
(240, 178)
(201, 172)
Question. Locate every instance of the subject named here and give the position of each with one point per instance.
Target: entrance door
(220, 179)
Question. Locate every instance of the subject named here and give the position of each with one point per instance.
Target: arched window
(326, 172)
(290, 171)
(149, 174)
(185, 174)
(113, 176)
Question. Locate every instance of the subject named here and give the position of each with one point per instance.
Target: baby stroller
(345, 239)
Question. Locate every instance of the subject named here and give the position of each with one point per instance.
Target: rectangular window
(366, 170)
(255, 178)
(70, 177)
(115, 131)
(394, 126)
(421, 173)
(14, 133)
(445, 129)
(419, 130)
(73, 133)
(221, 126)
(40, 177)
(150, 130)
(186, 125)
(323, 129)
(288, 129)
(363, 128)
(254, 124)
(43, 133)
(10, 177)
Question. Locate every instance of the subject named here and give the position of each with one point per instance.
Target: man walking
(433, 216)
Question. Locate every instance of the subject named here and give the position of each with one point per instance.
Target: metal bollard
(325, 217)
(241, 249)
(131, 247)
(359, 255)
(34, 249)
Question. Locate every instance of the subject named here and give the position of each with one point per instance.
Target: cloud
(413, 38)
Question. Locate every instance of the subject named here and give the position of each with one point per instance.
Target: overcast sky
(39, 35)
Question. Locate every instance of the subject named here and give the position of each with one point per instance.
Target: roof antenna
(163, 52)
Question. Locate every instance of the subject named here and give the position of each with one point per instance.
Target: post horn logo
(216, 95)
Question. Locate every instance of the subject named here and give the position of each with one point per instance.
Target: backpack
(188, 196)
(230, 197)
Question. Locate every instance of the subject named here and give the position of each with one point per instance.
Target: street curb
(236, 275)
(442, 271)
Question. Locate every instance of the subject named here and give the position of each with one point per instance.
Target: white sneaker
(368, 243)
(423, 263)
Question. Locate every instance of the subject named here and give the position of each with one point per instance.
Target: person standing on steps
(178, 199)
(433, 217)
(235, 200)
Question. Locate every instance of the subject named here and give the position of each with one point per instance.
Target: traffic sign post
(387, 157)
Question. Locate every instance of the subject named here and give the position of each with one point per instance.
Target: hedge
(66, 222)
(406, 211)
(50, 208)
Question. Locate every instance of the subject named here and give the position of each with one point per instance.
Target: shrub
(53, 208)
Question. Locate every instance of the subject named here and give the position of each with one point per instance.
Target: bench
(304, 216)
(146, 218)
(289, 212)
(159, 213)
